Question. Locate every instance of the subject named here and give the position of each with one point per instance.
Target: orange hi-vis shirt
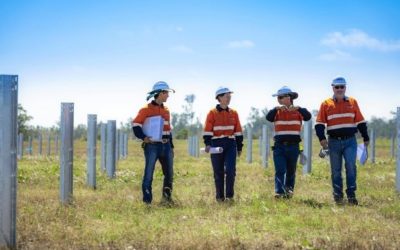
(342, 118)
(223, 123)
(288, 122)
(149, 110)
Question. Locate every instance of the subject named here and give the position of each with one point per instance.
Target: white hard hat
(161, 86)
(222, 90)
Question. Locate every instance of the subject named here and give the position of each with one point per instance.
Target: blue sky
(105, 55)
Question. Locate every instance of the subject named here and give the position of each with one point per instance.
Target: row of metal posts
(8, 154)
(29, 149)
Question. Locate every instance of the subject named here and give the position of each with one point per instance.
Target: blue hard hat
(338, 81)
(285, 90)
(161, 86)
(222, 90)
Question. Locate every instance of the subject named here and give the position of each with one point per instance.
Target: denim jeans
(162, 152)
(224, 163)
(285, 161)
(347, 149)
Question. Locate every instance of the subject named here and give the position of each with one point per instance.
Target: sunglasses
(283, 96)
(340, 87)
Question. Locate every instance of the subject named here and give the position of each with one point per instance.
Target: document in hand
(153, 127)
(362, 153)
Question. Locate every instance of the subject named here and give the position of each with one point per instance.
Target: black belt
(287, 143)
(163, 141)
(343, 137)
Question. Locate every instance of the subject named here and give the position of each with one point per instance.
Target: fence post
(66, 152)
(111, 136)
(249, 156)
(260, 145)
(117, 145)
(393, 145)
(48, 144)
(30, 150)
(56, 144)
(8, 159)
(264, 146)
(91, 150)
(20, 146)
(307, 150)
(103, 132)
(373, 142)
(126, 145)
(398, 150)
(121, 145)
(40, 142)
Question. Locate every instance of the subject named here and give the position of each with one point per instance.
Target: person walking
(287, 120)
(161, 150)
(342, 118)
(222, 129)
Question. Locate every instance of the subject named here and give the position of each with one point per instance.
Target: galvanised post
(110, 160)
(307, 150)
(91, 150)
(8, 160)
(66, 152)
(103, 132)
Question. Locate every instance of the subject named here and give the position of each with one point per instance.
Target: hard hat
(285, 90)
(222, 90)
(157, 88)
(161, 86)
(338, 81)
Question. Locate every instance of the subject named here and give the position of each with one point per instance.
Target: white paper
(362, 153)
(153, 127)
(213, 150)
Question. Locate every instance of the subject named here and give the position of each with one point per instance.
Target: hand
(239, 153)
(207, 149)
(324, 144)
(293, 108)
(173, 153)
(366, 143)
(147, 140)
(283, 107)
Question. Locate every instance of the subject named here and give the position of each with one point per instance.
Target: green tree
(22, 120)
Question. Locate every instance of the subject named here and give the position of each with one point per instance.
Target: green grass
(113, 216)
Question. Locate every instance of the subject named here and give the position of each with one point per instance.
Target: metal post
(110, 160)
(373, 141)
(196, 147)
(48, 144)
(307, 150)
(260, 145)
(20, 146)
(103, 133)
(56, 144)
(117, 146)
(190, 145)
(393, 146)
(121, 145)
(398, 150)
(40, 142)
(249, 156)
(66, 152)
(126, 145)
(264, 146)
(8, 159)
(91, 150)
(30, 149)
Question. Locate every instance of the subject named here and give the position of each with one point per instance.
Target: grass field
(113, 216)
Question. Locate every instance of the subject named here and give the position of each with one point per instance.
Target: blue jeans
(285, 161)
(347, 149)
(152, 153)
(224, 163)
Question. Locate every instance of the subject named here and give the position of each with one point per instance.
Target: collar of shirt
(156, 104)
(346, 99)
(218, 107)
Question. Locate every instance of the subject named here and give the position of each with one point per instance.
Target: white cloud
(336, 55)
(181, 49)
(241, 44)
(359, 39)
